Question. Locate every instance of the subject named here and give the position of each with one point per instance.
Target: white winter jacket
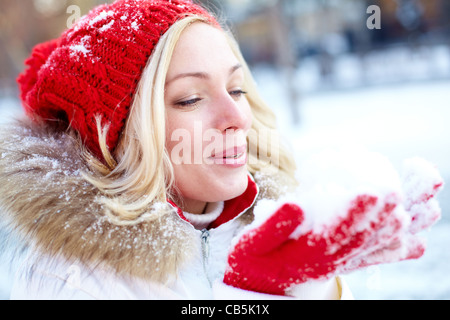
(76, 252)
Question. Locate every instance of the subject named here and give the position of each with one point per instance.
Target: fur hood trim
(45, 200)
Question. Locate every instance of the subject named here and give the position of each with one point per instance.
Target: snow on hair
(143, 173)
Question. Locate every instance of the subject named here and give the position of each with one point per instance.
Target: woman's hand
(293, 246)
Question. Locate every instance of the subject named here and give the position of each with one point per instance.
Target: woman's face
(208, 118)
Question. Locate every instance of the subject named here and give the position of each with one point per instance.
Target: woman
(142, 165)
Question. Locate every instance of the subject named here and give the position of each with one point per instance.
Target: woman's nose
(231, 114)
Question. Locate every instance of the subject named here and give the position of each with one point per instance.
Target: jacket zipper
(205, 252)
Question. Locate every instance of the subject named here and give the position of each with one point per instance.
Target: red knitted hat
(93, 69)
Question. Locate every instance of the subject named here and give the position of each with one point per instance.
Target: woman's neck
(194, 206)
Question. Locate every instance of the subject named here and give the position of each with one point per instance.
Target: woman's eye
(237, 93)
(188, 103)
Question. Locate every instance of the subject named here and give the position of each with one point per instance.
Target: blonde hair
(140, 172)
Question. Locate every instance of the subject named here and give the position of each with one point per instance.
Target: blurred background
(334, 72)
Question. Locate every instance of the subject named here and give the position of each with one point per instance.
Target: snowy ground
(399, 120)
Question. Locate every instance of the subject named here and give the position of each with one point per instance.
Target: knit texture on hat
(93, 69)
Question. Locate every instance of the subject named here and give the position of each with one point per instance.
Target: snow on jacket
(75, 252)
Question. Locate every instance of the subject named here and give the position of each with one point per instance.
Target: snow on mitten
(421, 182)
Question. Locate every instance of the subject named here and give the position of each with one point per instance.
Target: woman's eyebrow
(200, 75)
(234, 68)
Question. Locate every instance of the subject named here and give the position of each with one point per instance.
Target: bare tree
(282, 26)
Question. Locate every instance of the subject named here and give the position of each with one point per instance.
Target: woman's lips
(233, 157)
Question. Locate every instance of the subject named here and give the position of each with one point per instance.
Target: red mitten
(330, 228)
(271, 258)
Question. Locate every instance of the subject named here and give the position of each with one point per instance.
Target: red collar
(232, 208)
